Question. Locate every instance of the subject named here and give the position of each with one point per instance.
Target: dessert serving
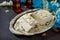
(30, 23)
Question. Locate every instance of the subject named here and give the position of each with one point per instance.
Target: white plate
(28, 34)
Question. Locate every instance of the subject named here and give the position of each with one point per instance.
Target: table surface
(5, 34)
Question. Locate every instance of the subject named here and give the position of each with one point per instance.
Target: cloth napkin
(57, 23)
(56, 8)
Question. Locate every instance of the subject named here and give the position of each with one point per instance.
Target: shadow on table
(50, 34)
(33, 37)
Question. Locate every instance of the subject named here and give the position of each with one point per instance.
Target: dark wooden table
(5, 34)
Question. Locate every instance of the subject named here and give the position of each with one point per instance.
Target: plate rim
(19, 33)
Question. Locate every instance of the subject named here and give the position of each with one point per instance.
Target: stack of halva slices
(34, 21)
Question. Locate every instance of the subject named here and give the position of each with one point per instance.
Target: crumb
(6, 11)
(43, 34)
(55, 30)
